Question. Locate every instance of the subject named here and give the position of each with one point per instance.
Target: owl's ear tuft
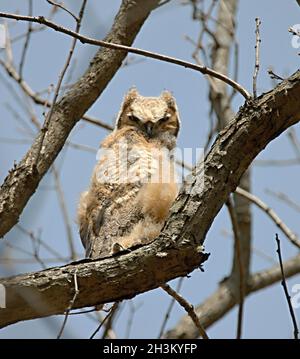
(170, 100)
(130, 96)
(168, 97)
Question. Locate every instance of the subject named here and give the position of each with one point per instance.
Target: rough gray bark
(23, 179)
(177, 251)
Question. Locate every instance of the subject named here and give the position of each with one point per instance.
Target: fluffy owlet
(133, 184)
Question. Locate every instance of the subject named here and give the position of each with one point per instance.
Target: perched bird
(133, 184)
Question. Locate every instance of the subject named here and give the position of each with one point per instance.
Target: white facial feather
(149, 109)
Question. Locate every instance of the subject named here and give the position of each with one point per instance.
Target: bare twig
(63, 8)
(108, 331)
(295, 142)
(27, 39)
(222, 300)
(111, 312)
(274, 76)
(188, 308)
(52, 251)
(285, 288)
(239, 256)
(19, 249)
(61, 199)
(32, 260)
(285, 198)
(133, 309)
(43, 102)
(8, 47)
(84, 311)
(270, 212)
(164, 323)
(34, 29)
(203, 69)
(162, 3)
(236, 68)
(36, 248)
(60, 79)
(72, 301)
(36, 242)
(257, 53)
(284, 162)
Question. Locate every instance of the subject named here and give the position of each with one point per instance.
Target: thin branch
(61, 199)
(168, 312)
(285, 162)
(17, 248)
(63, 8)
(274, 76)
(257, 54)
(32, 261)
(187, 307)
(110, 313)
(285, 288)
(83, 311)
(86, 40)
(239, 256)
(295, 142)
(34, 29)
(60, 79)
(72, 301)
(36, 248)
(284, 198)
(133, 308)
(222, 300)
(270, 212)
(108, 331)
(236, 68)
(8, 47)
(27, 39)
(43, 102)
(164, 2)
(31, 235)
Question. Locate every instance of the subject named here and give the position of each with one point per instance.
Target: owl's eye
(133, 118)
(165, 118)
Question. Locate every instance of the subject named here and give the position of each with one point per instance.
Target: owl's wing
(110, 220)
(89, 228)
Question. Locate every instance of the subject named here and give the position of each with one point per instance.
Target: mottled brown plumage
(133, 184)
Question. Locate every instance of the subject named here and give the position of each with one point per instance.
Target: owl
(134, 183)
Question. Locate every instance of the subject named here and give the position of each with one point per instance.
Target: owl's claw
(117, 247)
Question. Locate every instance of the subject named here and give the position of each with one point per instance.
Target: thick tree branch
(177, 251)
(22, 180)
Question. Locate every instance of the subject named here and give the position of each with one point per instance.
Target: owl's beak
(149, 128)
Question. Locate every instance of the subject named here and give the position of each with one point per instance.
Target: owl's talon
(117, 247)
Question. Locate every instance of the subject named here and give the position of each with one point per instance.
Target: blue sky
(266, 313)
